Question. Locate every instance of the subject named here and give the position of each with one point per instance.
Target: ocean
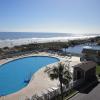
(10, 39)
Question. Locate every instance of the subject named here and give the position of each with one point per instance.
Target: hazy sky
(70, 16)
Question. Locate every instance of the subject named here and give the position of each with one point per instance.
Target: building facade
(84, 72)
(91, 54)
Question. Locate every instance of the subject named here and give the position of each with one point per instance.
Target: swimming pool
(14, 75)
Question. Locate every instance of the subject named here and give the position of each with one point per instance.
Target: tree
(61, 73)
(65, 46)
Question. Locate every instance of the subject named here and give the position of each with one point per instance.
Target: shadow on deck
(87, 86)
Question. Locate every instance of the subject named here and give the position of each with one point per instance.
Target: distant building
(84, 72)
(91, 54)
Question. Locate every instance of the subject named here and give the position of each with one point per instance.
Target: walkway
(92, 95)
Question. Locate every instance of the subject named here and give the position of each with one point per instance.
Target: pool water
(13, 75)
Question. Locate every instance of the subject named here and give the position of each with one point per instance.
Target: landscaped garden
(98, 70)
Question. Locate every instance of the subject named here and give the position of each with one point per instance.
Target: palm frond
(53, 76)
(60, 72)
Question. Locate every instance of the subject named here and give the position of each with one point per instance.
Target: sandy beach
(18, 42)
(40, 81)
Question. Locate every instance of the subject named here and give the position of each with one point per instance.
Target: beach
(12, 40)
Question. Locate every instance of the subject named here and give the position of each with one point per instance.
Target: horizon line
(48, 32)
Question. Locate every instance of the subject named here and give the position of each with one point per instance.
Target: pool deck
(40, 81)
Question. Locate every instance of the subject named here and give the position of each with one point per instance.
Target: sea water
(10, 39)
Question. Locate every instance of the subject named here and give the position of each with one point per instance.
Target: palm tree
(61, 73)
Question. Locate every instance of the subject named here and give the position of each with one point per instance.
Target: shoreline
(9, 52)
(25, 41)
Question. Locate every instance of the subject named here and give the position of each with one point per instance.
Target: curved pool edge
(14, 59)
(23, 89)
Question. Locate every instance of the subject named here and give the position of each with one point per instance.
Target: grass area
(66, 95)
(98, 69)
(72, 92)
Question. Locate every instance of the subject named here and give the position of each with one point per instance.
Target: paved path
(92, 95)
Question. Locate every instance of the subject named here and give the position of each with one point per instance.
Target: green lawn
(98, 69)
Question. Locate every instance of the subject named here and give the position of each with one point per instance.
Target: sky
(62, 16)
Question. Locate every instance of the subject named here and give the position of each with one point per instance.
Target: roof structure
(91, 50)
(92, 47)
(86, 65)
